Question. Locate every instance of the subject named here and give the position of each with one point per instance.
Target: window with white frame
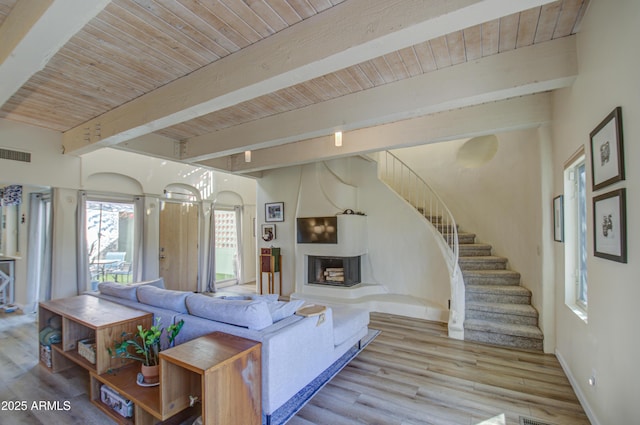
(575, 225)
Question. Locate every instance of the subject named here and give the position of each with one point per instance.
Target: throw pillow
(126, 292)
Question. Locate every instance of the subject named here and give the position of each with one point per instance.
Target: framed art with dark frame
(558, 218)
(610, 226)
(607, 153)
(274, 211)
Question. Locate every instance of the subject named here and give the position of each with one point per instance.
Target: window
(575, 219)
(110, 233)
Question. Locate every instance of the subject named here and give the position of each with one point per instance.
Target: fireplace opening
(337, 271)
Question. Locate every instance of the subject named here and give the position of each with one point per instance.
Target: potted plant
(145, 346)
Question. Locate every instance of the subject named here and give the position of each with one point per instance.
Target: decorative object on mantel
(349, 211)
(144, 346)
(607, 151)
(274, 211)
(268, 232)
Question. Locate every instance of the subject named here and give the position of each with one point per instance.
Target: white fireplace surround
(352, 242)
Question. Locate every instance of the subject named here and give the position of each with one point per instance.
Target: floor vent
(531, 421)
(15, 155)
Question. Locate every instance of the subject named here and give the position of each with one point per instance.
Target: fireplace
(336, 271)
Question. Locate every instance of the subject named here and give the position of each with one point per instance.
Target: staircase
(498, 310)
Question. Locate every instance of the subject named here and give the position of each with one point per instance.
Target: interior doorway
(179, 245)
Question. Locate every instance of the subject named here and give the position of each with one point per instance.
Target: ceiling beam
(505, 115)
(523, 71)
(349, 33)
(33, 32)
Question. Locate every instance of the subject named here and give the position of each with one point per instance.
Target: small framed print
(610, 226)
(274, 211)
(558, 218)
(268, 232)
(607, 153)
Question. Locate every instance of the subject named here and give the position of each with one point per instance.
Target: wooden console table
(88, 317)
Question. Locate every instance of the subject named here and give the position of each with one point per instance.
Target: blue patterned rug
(297, 402)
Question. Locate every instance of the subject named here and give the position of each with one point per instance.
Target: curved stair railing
(417, 192)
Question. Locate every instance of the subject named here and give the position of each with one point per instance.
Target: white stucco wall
(402, 253)
(500, 201)
(607, 344)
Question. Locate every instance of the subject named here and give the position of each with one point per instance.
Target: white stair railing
(402, 179)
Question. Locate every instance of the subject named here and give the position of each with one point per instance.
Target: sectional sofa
(295, 349)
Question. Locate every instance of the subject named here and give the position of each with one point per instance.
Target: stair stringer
(457, 306)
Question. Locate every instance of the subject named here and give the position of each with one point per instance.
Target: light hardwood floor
(411, 374)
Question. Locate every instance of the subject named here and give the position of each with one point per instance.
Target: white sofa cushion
(163, 298)
(281, 310)
(127, 291)
(347, 321)
(246, 313)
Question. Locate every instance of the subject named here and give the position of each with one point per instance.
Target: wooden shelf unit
(85, 316)
(271, 263)
(224, 371)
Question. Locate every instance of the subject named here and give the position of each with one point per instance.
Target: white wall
(106, 170)
(607, 342)
(402, 252)
(500, 201)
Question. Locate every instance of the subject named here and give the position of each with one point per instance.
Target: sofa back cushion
(163, 298)
(252, 314)
(282, 309)
(127, 291)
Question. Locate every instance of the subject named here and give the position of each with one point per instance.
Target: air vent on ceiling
(15, 155)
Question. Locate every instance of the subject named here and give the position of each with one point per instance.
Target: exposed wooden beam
(528, 70)
(505, 115)
(344, 35)
(33, 32)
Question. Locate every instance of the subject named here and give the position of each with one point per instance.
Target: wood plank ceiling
(133, 47)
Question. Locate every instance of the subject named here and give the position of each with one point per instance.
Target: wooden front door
(179, 245)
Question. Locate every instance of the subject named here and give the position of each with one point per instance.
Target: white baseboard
(577, 389)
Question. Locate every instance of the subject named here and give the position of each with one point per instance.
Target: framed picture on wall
(610, 226)
(558, 218)
(607, 153)
(268, 232)
(274, 211)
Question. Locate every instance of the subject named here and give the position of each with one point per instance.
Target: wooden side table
(271, 263)
(223, 371)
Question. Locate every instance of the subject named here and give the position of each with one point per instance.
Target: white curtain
(82, 250)
(137, 258)
(38, 251)
(211, 258)
(239, 258)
